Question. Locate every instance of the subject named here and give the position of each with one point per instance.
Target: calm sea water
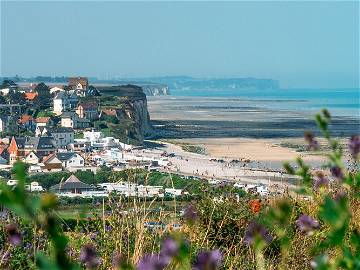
(341, 102)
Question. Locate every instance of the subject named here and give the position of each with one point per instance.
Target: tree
(2, 100)
(43, 99)
(16, 98)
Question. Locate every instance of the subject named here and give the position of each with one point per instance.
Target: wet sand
(239, 129)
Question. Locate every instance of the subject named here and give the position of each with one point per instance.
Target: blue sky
(302, 44)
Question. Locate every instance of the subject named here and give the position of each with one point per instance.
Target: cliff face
(155, 89)
(129, 105)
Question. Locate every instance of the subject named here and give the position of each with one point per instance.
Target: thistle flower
(312, 142)
(89, 256)
(337, 172)
(169, 247)
(4, 215)
(255, 230)
(321, 181)
(307, 224)
(14, 236)
(208, 260)
(153, 262)
(190, 214)
(354, 146)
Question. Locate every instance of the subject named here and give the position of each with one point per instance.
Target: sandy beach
(239, 129)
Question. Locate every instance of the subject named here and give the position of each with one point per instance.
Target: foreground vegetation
(287, 232)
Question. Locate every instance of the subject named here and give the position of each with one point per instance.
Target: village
(51, 129)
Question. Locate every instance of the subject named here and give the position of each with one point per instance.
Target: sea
(340, 102)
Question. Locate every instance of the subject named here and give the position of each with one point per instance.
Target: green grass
(193, 149)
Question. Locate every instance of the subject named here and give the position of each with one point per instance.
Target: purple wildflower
(321, 181)
(93, 236)
(354, 146)
(14, 235)
(153, 262)
(190, 214)
(255, 230)
(208, 260)
(307, 224)
(4, 214)
(89, 256)
(337, 172)
(28, 246)
(169, 247)
(312, 142)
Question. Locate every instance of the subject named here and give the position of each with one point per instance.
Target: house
(3, 123)
(72, 185)
(61, 103)
(27, 122)
(92, 91)
(51, 163)
(70, 159)
(22, 146)
(40, 131)
(4, 91)
(64, 101)
(56, 89)
(30, 96)
(31, 158)
(63, 136)
(72, 120)
(44, 122)
(88, 110)
(80, 84)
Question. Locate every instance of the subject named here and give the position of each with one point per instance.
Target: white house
(56, 89)
(71, 159)
(71, 120)
(2, 124)
(44, 121)
(31, 158)
(64, 101)
(5, 91)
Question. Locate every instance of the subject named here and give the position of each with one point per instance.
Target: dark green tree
(16, 98)
(44, 98)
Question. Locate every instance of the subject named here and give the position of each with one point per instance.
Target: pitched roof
(42, 119)
(31, 152)
(35, 142)
(25, 118)
(46, 158)
(110, 112)
(65, 156)
(31, 95)
(88, 105)
(70, 184)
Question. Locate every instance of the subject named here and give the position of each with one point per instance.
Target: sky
(301, 44)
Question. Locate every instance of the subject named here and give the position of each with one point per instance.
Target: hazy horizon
(300, 44)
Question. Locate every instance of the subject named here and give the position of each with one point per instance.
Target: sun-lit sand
(252, 149)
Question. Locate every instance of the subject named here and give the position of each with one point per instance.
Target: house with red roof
(30, 96)
(27, 122)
